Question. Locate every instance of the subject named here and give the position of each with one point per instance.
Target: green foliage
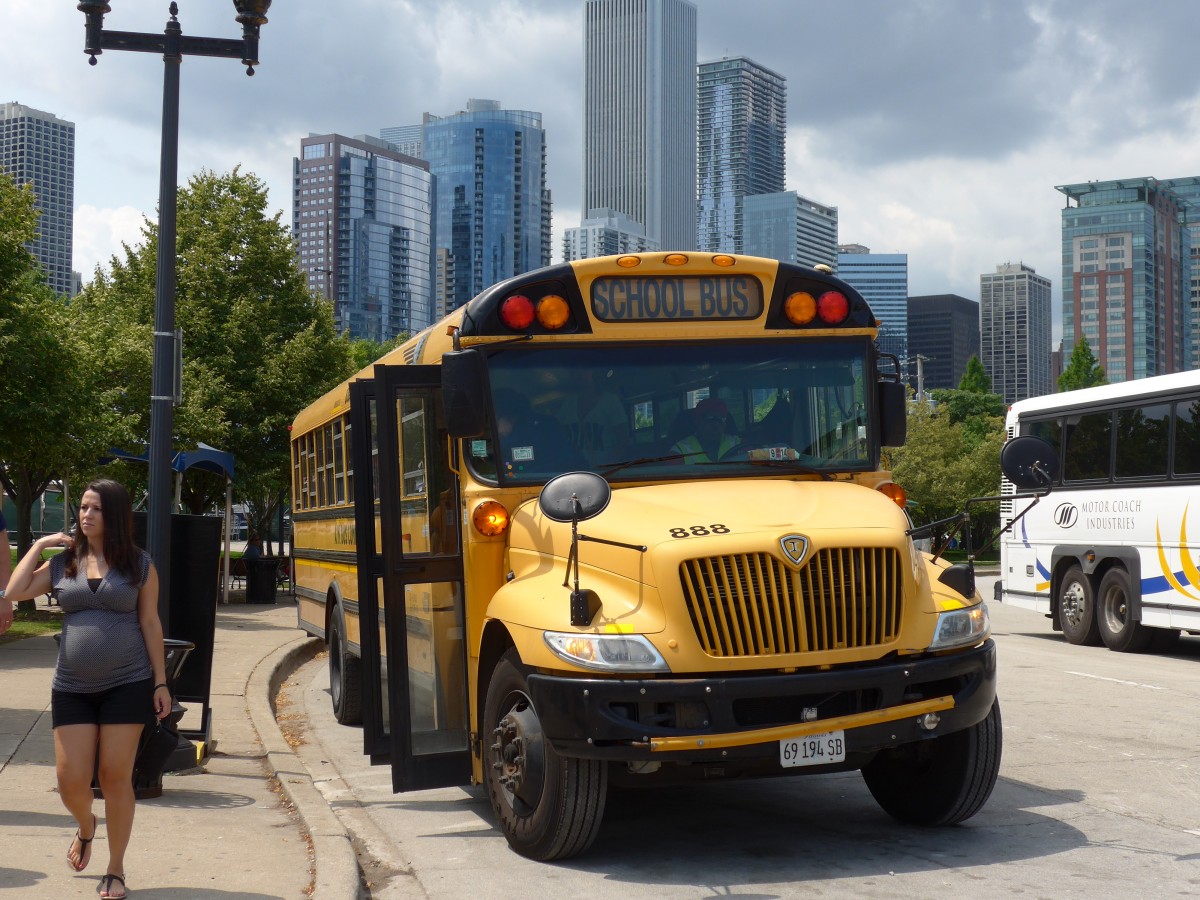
(364, 352)
(1083, 370)
(946, 462)
(258, 344)
(975, 378)
(50, 424)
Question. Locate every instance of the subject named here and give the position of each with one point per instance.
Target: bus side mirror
(1029, 462)
(464, 385)
(893, 413)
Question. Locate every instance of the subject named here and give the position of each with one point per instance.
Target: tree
(1083, 370)
(975, 378)
(258, 344)
(51, 424)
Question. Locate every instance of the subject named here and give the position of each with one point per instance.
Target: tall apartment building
(605, 233)
(1188, 189)
(362, 216)
(789, 227)
(639, 136)
(1126, 251)
(943, 335)
(1014, 331)
(882, 278)
(741, 130)
(493, 207)
(38, 148)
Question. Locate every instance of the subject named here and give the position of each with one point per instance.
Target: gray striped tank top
(102, 644)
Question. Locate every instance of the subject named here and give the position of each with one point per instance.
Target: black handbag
(157, 743)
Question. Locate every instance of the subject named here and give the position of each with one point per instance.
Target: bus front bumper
(744, 718)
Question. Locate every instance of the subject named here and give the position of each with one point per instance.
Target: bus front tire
(345, 673)
(942, 781)
(1077, 608)
(1117, 627)
(549, 807)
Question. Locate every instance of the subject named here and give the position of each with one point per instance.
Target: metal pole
(162, 391)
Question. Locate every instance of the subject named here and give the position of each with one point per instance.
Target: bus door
(409, 580)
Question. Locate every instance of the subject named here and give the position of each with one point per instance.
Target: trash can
(261, 579)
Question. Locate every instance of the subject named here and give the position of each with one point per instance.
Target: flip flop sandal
(83, 847)
(104, 888)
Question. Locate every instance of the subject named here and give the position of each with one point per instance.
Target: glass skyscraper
(882, 278)
(789, 227)
(741, 130)
(1014, 332)
(493, 207)
(1126, 251)
(362, 216)
(639, 134)
(943, 335)
(38, 148)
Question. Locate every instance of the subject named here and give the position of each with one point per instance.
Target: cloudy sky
(939, 128)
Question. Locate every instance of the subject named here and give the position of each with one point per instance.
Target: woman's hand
(51, 541)
(162, 701)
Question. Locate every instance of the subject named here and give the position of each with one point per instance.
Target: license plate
(813, 749)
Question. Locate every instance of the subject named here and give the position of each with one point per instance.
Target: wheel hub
(518, 756)
(1072, 605)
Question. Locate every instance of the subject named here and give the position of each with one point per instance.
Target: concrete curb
(337, 875)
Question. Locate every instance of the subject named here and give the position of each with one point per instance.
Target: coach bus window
(1088, 447)
(1049, 430)
(1142, 434)
(1187, 437)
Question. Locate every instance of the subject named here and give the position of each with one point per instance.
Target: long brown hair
(119, 550)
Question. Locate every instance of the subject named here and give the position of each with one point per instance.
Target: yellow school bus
(623, 520)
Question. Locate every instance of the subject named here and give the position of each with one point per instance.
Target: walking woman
(111, 672)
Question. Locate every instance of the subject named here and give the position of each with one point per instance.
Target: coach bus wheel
(345, 673)
(549, 806)
(1118, 629)
(1077, 608)
(942, 781)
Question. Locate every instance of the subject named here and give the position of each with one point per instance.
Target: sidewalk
(225, 830)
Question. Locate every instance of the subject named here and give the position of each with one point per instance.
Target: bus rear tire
(1117, 627)
(942, 781)
(549, 807)
(345, 673)
(1077, 608)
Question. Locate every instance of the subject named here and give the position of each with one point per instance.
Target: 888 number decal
(699, 530)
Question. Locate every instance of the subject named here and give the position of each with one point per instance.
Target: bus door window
(433, 611)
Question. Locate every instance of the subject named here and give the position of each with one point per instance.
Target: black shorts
(125, 704)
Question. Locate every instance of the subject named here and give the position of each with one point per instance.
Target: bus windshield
(676, 410)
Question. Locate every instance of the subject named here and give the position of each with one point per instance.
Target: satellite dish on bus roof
(574, 496)
(1029, 462)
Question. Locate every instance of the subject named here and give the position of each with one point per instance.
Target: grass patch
(32, 624)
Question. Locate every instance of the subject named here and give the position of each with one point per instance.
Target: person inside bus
(595, 418)
(531, 442)
(709, 441)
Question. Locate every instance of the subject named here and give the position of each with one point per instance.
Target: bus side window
(1187, 438)
(1088, 447)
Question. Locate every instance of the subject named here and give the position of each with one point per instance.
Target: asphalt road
(1099, 796)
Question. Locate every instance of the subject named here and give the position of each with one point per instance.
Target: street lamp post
(173, 44)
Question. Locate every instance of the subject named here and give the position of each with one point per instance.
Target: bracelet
(164, 684)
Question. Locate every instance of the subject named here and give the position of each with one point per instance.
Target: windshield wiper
(790, 464)
(641, 461)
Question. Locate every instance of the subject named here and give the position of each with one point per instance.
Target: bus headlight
(961, 627)
(607, 652)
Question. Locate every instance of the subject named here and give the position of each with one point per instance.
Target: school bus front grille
(754, 605)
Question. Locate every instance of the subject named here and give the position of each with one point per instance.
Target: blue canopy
(210, 459)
